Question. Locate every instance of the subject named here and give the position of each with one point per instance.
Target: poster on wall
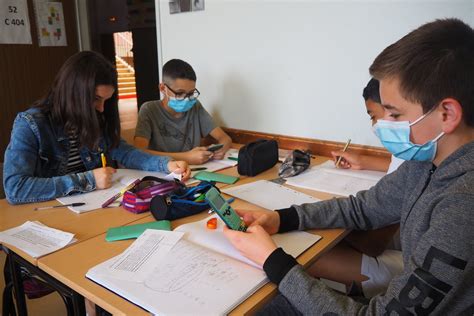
(14, 22)
(50, 23)
(179, 6)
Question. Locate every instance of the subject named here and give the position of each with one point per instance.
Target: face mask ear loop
(438, 137)
(423, 116)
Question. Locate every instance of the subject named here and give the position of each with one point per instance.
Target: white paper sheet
(294, 243)
(36, 239)
(269, 195)
(326, 178)
(139, 260)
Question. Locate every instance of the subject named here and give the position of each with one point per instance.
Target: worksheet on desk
(36, 239)
(327, 178)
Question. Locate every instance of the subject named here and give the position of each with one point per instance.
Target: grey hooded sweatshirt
(435, 208)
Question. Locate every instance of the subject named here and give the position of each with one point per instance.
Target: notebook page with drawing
(327, 178)
(189, 279)
(199, 275)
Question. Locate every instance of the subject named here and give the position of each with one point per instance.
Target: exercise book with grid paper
(203, 274)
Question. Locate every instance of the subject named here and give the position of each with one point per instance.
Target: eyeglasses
(182, 95)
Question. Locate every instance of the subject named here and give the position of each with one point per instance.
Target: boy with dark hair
(426, 87)
(376, 111)
(176, 125)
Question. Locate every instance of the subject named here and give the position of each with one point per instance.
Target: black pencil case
(257, 157)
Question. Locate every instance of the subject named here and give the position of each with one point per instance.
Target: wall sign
(14, 22)
(50, 23)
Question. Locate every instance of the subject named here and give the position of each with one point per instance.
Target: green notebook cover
(211, 176)
(133, 231)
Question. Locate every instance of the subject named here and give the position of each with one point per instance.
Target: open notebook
(203, 274)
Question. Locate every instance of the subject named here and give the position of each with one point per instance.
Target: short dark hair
(371, 91)
(70, 99)
(178, 69)
(433, 62)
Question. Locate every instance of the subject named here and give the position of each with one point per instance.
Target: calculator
(224, 210)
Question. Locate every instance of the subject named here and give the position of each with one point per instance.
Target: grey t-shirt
(169, 134)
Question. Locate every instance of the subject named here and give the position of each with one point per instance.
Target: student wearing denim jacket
(55, 146)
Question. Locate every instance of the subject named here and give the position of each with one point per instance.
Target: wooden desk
(65, 266)
(84, 226)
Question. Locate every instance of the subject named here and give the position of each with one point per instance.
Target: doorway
(124, 31)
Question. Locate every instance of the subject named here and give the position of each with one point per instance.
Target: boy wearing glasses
(175, 125)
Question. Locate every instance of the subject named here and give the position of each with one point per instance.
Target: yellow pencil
(104, 161)
(345, 148)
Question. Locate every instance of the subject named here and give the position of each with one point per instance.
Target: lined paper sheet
(327, 178)
(269, 195)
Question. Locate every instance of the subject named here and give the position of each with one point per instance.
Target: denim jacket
(37, 156)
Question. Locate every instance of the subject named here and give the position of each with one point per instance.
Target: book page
(269, 195)
(294, 243)
(36, 239)
(190, 280)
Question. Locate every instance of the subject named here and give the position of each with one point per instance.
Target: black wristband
(289, 219)
(278, 264)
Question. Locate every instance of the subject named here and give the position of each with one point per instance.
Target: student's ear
(451, 111)
(161, 86)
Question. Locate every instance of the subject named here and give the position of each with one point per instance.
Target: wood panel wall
(27, 71)
(315, 146)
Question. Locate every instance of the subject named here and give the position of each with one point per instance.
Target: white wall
(292, 67)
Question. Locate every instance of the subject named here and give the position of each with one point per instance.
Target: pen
(116, 196)
(55, 206)
(104, 161)
(198, 169)
(345, 148)
(233, 158)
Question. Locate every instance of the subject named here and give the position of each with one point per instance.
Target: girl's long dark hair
(70, 101)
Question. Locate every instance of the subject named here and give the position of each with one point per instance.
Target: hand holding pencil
(340, 155)
(103, 176)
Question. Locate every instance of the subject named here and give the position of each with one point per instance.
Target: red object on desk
(212, 223)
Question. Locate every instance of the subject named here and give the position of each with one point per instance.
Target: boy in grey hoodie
(426, 82)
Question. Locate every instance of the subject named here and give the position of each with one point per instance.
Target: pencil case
(257, 157)
(138, 199)
(181, 203)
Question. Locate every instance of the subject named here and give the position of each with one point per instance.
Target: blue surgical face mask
(181, 105)
(395, 136)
